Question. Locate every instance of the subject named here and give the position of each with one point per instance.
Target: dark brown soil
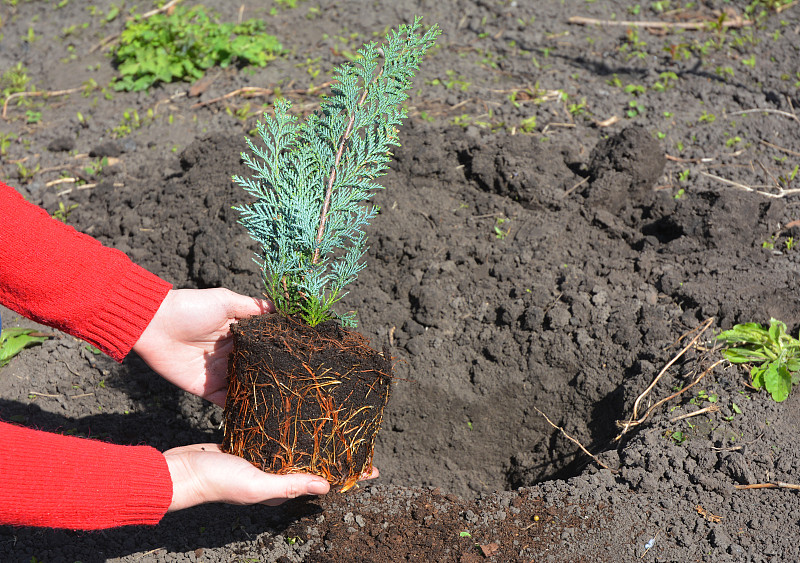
(515, 266)
(305, 399)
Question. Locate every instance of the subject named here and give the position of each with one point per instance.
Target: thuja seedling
(774, 353)
(311, 179)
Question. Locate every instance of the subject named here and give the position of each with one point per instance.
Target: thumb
(242, 306)
(279, 488)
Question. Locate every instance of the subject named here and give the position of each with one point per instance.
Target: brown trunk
(304, 399)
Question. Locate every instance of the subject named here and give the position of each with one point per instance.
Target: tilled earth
(570, 206)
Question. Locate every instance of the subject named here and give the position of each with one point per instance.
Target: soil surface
(571, 203)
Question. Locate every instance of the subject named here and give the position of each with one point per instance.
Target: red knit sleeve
(57, 276)
(65, 482)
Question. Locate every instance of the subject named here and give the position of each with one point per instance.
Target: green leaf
(13, 340)
(777, 381)
(757, 375)
(743, 355)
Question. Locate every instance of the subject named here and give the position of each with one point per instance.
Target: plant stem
(323, 218)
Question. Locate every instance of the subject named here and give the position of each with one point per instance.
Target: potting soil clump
(305, 399)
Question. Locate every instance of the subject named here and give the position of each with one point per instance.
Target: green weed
(14, 80)
(776, 355)
(528, 125)
(62, 213)
(14, 340)
(183, 44)
(499, 233)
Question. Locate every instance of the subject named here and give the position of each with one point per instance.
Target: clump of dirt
(568, 204)
(305, 399)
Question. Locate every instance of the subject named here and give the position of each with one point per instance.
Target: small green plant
(635, 109)
(707, 118)
(25, 174)
(62, 213)
(733, 141)
(679, 437)
(183, 44)
(130, 122)
(5, 142)
(750, 61)
(14, 80)
(32, 117)
(311, 179)
(499, 233)
(528, 125)
(775, 355)
(14, 340)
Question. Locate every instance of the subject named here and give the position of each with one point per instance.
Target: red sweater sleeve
(65, 482)
(57, 276)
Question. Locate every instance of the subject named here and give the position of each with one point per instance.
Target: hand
(202, 473)
(188, 340)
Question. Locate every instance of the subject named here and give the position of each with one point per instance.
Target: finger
(284, 487)
(241, 306)
(374, 474)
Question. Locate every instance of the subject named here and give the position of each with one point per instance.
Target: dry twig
(708, 515)
(710, 408)
(781, 191)
(634, 421)
(767, 110)
(675, 358)
(736, 22)
(36, 93)
(772, 485)
(631, 423)
(776, 147)
(576, 442)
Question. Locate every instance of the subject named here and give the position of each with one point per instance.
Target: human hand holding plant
(189, 339)
(201, 473)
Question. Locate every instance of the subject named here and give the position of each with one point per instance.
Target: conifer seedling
(311, 179)
(306, 393)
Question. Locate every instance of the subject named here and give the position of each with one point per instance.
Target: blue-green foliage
(312, 180)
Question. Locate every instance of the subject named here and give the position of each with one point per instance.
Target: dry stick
(628, 425)
(710, 408)
(776, 147)
(768, 173)
(775, 485)
(767, 110)
(780, 194)
(575, 187)
(36, 93)
(166, 7)
(641, 397)
(573, 440)
(579, 20)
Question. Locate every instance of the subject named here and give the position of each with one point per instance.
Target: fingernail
(317, 487)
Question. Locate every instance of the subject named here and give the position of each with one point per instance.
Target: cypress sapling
(311, 179)
(305, 393)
